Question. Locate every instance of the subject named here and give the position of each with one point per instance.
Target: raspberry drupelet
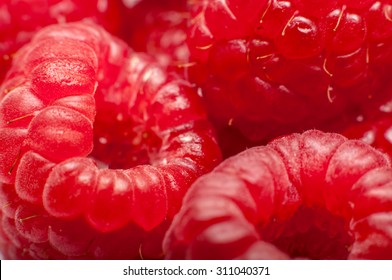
(158, 28)
(21, 19)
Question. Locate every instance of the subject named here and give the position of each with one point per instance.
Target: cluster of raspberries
(199, 129)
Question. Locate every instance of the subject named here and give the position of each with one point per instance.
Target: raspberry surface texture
(271, 67)
(21, 19)
(373, 124)
(158, 28)
(98, 146)
(313, 195)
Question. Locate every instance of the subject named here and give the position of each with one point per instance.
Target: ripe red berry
(312, 195)
(21, 19)
(270, 67)
(97, 142)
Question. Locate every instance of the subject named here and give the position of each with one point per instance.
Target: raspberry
(269, 67)
(99, 145)
(377, 133)
(21, 19)
(313, 195)
(158, 28)
(372, 124)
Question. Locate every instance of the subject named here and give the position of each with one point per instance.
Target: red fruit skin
(158, 28)
(109, 144)
(267, 68)
(313, 195)
(21, 19)
(376, 133)
(372, 124)
(69, 183)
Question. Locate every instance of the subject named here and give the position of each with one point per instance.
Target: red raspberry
(21, 19)
(373, 123)
(270, 67)
(312, 195)
(377, 133)
(98, 146)
(158, 28)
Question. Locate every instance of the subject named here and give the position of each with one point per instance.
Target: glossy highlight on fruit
(158, 28)
(21, 19)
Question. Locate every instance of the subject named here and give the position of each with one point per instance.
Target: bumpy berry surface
(313, 195)
(98, 146)
(377, 132)
(21, 19)
(158, 28)
(269, 67)
(373, 123)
